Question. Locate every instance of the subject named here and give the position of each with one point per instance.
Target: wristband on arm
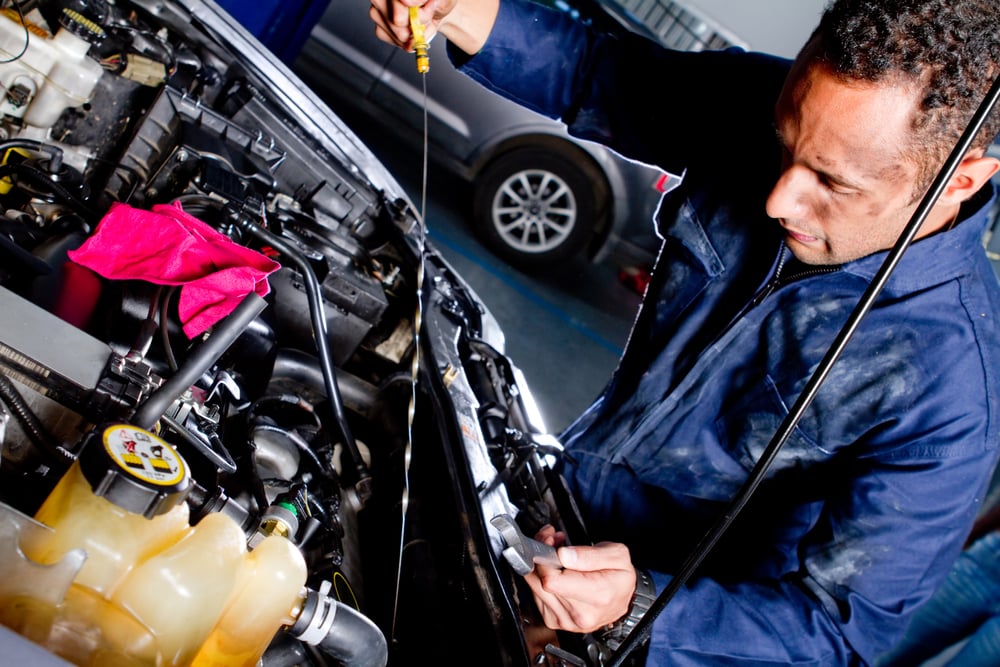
(645, 593)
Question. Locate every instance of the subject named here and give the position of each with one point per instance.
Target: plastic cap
(135, 470)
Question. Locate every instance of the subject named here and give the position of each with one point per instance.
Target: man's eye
(834, 187)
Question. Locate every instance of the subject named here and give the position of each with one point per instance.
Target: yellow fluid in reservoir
(268, 596)
(113, 538)
(153, 591)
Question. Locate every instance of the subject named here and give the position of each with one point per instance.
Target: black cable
(54, 152)
(290, 400)
(147, 328)
(644, 627)
(31, 425)
(43, 180)
(297, 440)
(318, 316)
(168, 348)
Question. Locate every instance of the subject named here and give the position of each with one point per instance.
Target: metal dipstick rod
(420, 47)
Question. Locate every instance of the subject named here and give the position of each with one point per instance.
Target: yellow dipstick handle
(419, 42)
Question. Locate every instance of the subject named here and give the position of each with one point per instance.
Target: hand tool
(523, 552)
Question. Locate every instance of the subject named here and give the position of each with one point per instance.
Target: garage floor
(564, 331)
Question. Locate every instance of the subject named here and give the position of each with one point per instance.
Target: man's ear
(972, 173)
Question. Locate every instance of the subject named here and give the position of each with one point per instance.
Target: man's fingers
(385, 26)
(570, 601)
(602, 556)
(555, 612)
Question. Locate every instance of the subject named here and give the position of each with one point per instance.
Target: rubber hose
(315, 298)
(202, 359)
(340, 631)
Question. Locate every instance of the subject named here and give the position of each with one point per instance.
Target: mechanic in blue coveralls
(798, 177)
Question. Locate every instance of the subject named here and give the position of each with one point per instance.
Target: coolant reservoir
(181, 592)
(153, 591)
(120, 502)
(268, 598)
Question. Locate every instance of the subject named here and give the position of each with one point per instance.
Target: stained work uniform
(870, 499)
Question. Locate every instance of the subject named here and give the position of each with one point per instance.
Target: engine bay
(220, 316)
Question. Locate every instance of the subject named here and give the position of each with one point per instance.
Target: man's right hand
(466, 24)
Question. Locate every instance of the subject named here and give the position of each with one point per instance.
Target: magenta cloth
(167, 246)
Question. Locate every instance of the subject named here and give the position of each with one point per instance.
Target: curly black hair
(951, 47)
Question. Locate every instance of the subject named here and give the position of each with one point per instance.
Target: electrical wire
(27, 35)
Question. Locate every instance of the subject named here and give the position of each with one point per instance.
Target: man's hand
(466, 24)
(594, 590)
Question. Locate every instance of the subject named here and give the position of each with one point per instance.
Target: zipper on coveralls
(778, 280)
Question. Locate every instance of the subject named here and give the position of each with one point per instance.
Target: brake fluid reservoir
(120, 502)
(44, 75)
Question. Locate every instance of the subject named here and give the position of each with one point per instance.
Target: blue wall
(281, 25)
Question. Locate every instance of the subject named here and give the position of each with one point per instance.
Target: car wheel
(537, 207)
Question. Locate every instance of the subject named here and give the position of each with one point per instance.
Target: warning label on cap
(143, 455)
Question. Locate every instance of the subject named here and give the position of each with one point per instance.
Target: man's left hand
(593, 590)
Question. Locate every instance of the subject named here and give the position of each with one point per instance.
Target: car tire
(539, 207)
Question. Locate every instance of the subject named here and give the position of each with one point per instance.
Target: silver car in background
(539, 196)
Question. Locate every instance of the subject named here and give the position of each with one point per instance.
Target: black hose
(644, 627)
(202, 359)
(54, 152)
(340, 632)
(31, 425)
(43, 180)
(318, 316)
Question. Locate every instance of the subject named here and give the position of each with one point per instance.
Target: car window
(673, 24)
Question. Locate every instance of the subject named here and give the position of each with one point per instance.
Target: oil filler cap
(134, 469)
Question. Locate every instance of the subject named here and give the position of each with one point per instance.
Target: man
(798, 178)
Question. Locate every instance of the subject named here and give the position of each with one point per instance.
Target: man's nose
(788, 196)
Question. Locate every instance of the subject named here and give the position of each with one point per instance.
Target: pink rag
(167, 246)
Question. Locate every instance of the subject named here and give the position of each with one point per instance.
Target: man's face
(845, 190)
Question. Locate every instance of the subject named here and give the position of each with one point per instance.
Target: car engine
(247, 414)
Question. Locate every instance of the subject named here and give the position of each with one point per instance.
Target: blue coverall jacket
(869, 501)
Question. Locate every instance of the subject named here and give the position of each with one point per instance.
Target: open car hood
(209, 290)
